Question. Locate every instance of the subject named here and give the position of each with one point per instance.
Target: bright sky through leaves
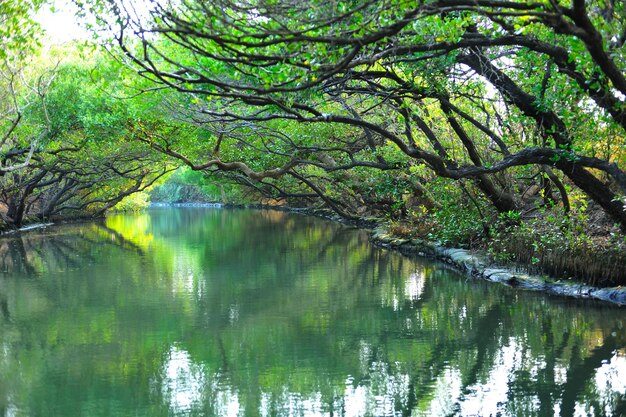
(60, 22)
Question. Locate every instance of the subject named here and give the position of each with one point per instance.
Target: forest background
(496, 125)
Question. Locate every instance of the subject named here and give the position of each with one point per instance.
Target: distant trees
(509, 95)
(66, 148)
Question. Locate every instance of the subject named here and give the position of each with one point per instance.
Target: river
(216, 312)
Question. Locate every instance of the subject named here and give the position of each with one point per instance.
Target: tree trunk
(596, 190)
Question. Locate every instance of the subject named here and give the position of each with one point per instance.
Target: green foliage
(133, 203)
(18, 31)
(457, 226)
(510, 217)
(457, 222)
(79, 134)
(187, 186)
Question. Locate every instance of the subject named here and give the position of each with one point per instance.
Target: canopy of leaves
(469, 89)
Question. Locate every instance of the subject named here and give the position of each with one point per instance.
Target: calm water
(214, 312)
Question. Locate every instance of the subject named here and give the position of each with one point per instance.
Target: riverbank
(478, 265)
(30, 226)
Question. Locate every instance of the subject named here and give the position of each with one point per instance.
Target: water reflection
(228, 313)
(183, 381)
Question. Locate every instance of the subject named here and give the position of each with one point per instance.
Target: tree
(470, 89)
(86, 163)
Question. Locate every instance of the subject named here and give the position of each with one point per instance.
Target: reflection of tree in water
(32, 253)
(439, 337)
(14, 257)
(4, 308)
(46, 278)
(418, 358)
(285, 315)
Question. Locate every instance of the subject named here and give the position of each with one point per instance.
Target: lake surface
(214, 312)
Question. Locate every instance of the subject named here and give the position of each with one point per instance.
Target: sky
(61, 25)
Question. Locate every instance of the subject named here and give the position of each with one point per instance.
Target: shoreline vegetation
(478, 264)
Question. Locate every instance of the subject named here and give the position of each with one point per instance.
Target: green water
(209, 312)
